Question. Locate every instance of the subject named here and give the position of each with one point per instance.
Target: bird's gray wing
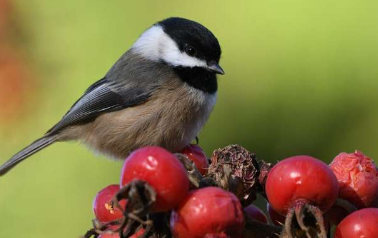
(102, 96)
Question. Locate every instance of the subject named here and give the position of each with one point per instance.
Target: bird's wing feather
(101, 97)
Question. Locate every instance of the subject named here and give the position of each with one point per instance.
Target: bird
(160, 92)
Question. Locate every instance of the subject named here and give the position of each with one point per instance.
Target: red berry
(196, 154)
(301, 177)
(103, 208)
(208, 211)
(275, 217)
(160, 169)
(255, 213)
(358, 178)
(360, 224)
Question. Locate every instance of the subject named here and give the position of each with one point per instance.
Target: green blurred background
(301, 78)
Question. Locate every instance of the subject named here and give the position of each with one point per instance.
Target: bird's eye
(190, 50)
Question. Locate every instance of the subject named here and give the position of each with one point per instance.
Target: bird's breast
(171, 118)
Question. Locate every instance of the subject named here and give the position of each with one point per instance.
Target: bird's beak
(214, 67)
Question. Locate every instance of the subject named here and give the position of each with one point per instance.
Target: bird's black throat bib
(198, 78)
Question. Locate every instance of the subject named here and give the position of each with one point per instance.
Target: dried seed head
(235, 169)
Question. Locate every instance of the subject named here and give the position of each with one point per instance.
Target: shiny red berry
(360, 224)
(358, 178)
(301, 178)
(103, 208)
(208, 211)
(161, 170)
(196, 154)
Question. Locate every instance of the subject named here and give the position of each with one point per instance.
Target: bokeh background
(301, 78)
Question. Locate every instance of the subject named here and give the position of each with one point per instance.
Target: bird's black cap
(186, 32)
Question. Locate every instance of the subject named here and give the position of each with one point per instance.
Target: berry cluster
(180, 195)
(304, 188)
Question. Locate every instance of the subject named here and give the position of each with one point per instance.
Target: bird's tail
(28, 151)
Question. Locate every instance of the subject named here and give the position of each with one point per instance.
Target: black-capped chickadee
(160, 92)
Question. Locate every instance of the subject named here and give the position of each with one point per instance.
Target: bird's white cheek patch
(156, 45)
